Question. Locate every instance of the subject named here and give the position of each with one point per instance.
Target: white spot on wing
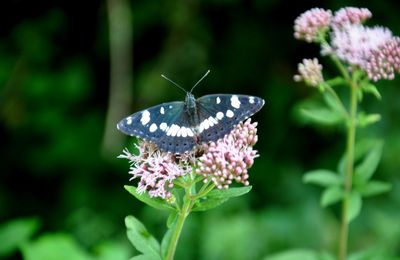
(218, 100)
(251, 100)
(220, 115)
(163, 126)
(189, 132)
(129, 120)
(184, 131)
(162, 111)
(229, 113)
(153, 127)
(173, 130)
(235, 101)
(212, 121)
(145, 117)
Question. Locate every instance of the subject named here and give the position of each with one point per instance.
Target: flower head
(222, 162)
(310, 71)
(384, 61)
(229, 158)
(354, 43)
(350, 15)
(156, 169)
(309, 23)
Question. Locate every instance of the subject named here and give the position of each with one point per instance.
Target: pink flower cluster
(384, 61)
(308, 24)
(350, 15)
(229, 159)
(310, 71)
(156, 169)
(354, 43)
(373, 49)
(221, 162)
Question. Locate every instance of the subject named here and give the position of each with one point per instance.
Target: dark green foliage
(54, 77)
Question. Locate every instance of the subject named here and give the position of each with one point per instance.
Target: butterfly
(179, 126)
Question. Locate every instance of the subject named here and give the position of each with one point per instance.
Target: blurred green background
(61, 185)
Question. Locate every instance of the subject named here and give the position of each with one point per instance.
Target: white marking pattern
(145, 117)
(153, 127)
(229, 113)
(235, 102)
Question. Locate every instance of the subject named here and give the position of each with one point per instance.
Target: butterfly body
(178, 127)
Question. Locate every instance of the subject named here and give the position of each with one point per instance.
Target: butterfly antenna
(176, 84)
(197, 83)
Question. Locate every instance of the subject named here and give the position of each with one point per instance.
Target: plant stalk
(184, 212)
(351, 136)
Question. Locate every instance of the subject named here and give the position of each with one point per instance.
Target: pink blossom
(222, 162)
(156, 169)
(354, 43)
(310, 71)
(309, 23)
(229, 159)
(350, 15)
(384, 61)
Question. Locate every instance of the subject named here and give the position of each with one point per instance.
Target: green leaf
(322, 177)
(364, 120)
(153, 202)
(216, 197)
(54, 246)
(367, 167)
(171, 219)
(141, 239)
(336, 81)
(300, 254)
(229, 193)
(331, 195)
(167, 240)
(373, 188)
(371, 89)
(354, 206)
(145, 257)
(16, 232)
(335, 104)
(321, 116)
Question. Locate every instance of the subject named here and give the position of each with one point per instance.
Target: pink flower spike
(309, 23)
(354, 43)
(350, 15)
(384, 61)
(231, 156)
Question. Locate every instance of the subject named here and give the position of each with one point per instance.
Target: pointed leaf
(373, 188)
(216, 197)
(14, 233)
(171, 219)
(336, 81)
(354, 206)
(334, 103)
(364, 120)
(331, 195)
(372, 89)
(321, 116)
(153, 202)
(167, 240)
(141, 239)
(367, 167)
(145, 257)
(322, 177)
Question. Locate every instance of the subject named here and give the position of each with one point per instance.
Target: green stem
(351, 135)
(189, 200)
(182, 215)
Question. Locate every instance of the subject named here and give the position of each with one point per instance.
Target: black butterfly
(178, 127)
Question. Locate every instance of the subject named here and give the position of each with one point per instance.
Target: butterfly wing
(166, 125)
(218, 114)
